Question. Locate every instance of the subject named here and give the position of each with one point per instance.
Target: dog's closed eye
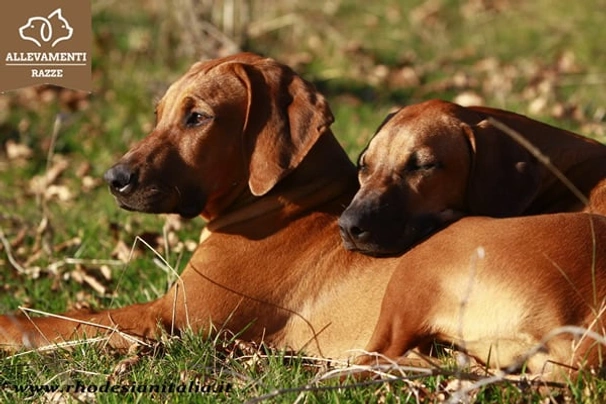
(421, 162)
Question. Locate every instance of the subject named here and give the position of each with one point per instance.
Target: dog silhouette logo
(41, 30)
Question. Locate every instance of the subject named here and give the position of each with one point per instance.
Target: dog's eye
(428, 166)
(416, 164)
(194, 119)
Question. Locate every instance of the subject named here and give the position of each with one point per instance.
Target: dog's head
(428, 165)
(229, 126)
(412, 177)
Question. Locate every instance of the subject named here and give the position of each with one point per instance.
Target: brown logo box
(46, 42)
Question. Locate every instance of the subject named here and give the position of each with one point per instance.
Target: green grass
(367, 58)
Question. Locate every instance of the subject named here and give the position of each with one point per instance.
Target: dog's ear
(504, 177)
(285, 117)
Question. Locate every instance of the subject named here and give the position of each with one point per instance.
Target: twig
(9, 255)
(81, 261)
(59, 345)
(88, 323)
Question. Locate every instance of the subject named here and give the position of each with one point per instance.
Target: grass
(540, 58)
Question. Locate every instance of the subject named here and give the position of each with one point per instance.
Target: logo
(46, 42)
(54, 27)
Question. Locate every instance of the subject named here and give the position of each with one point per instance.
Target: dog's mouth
(157, 206)
(394, 237)
(372, 250)
(157, 200)
(136, 196)
(370, 245)
(150, 200)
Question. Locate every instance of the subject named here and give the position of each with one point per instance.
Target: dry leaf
(405, 77)
(40, 183)
(469, 98)
(190, 245)
(94, 284)
(15, 151)
(426, 14)
(60, 192)
(89, 183)
(58, 397)
(124, 366)
(537, 105)
(121, 251)
(92, 277)
(72, 242)
(106, 272)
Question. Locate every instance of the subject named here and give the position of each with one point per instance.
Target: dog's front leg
(120, 328)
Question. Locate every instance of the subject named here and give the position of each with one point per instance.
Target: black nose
(121, 178)
(352, 229)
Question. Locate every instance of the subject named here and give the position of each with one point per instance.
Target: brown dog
(500, 289)
(432, 163)
(246, 142)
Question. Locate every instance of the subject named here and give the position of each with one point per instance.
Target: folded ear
(504, 177)
(285, 118)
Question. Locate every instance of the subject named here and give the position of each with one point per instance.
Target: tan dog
(501, 289)
(432, 163)
(246, 142)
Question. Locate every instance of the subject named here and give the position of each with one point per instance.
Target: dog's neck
(581, 162)
(325, 175)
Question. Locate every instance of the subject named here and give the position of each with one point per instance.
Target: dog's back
(498, 287)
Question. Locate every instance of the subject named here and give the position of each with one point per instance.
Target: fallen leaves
(46, 184)
(31, 247)
(17, 151)
(97, 279)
